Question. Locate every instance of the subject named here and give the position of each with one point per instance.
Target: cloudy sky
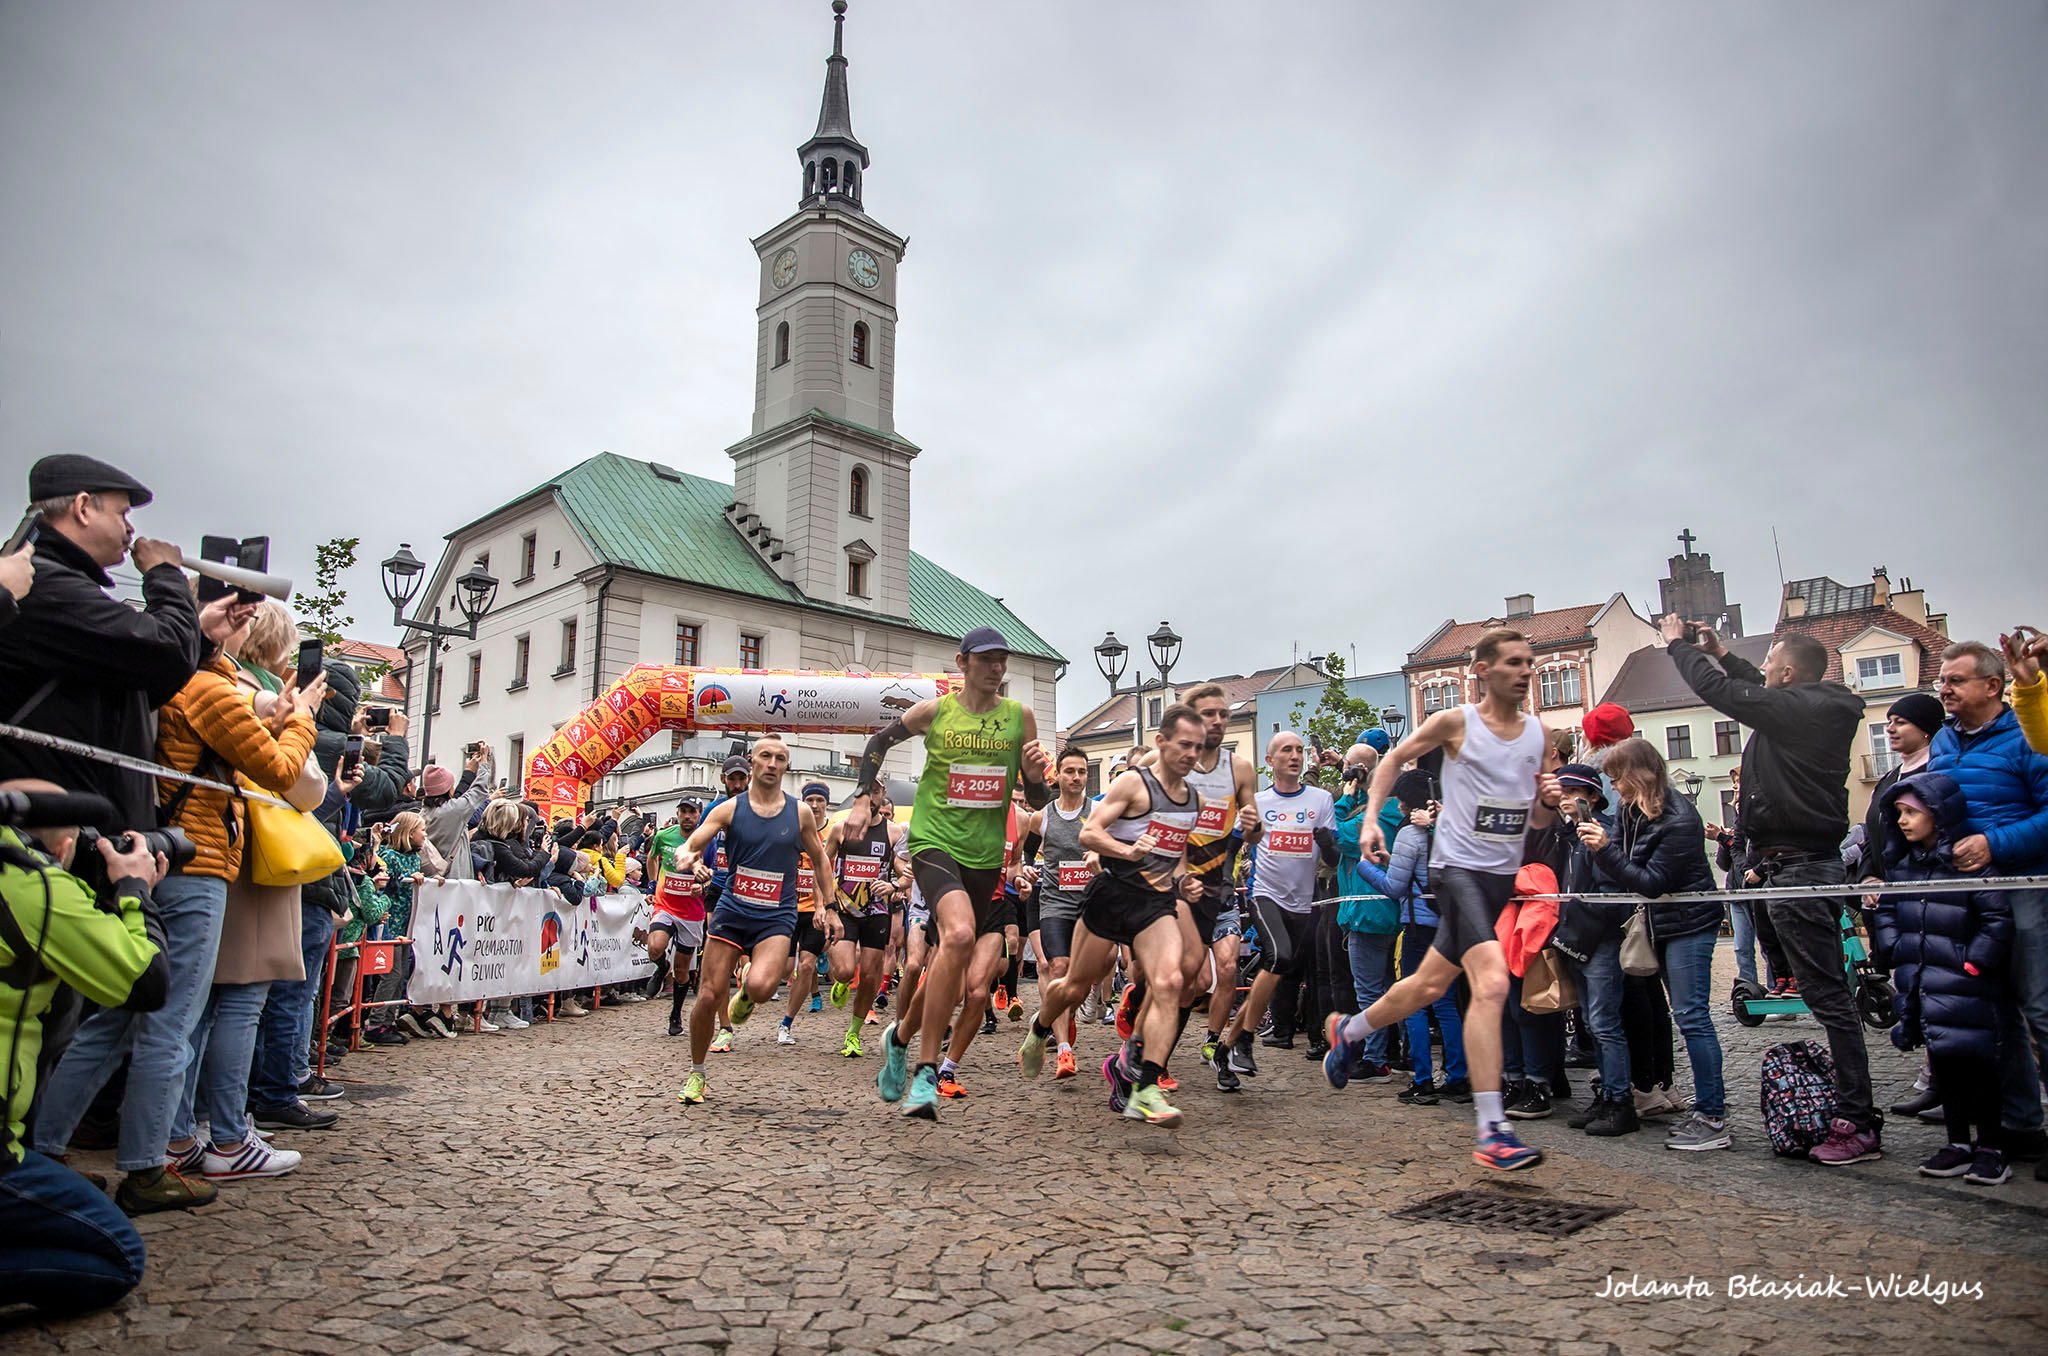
(1296, 323)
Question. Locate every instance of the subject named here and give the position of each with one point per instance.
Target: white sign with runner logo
(473, 940)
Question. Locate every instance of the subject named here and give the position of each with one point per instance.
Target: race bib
(1291, 842)
(720, 863)
(1500, 821)
(676, 886)
(1074, 875)
(756, 886)
(1173, 838)
(972, 787)
(806, 881)
(1214, 820)
(860, 870)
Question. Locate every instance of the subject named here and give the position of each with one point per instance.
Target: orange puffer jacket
(212, 712)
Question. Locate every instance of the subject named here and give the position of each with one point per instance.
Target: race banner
(839, 703)
(473, 940)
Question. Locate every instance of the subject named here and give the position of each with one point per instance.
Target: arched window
(830, 179)
(860, 342)
(846, 177)
(782, 343)
(857, 492)
(810, 177)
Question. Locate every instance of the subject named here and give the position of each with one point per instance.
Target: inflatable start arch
(654, 697)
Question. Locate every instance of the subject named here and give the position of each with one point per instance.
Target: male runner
(1140, 831)
(1300, 822)
(868, 874)
(1229, 788)
(1494, 791)
(977, 743)
(734, 775)
(677, 901)
(764, 830)
(1064, 870)
(817, 928)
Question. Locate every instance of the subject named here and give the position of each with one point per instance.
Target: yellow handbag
(286, 847)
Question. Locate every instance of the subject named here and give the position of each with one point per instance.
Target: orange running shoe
(1127, 1013)
(1063, 1067)
(1168, 1083)
(949, 1086)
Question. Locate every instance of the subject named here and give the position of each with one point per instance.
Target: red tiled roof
(1551, 627)
(1119, 711)
(1836, 629)
(373, 652)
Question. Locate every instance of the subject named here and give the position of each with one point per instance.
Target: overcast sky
(1312, 323)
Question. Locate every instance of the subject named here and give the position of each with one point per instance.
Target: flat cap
(69, 473)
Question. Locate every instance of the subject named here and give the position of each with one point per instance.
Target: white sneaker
(569, 1007)
(784, 1036)
(512, 1021)
(625, 995)
(251, 1158)
(486, 1025)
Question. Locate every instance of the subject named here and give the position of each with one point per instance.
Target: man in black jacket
(1795, 812)
(80, 663)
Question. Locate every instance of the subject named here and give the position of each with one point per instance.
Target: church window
(810, 178)
(860, 343)
(846, 178)
(857, 492)
(782, 343)
(830, 179)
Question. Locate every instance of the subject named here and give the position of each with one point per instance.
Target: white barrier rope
(142, 765)
(1963, 885)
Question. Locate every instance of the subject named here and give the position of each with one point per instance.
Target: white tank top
(1488, 789)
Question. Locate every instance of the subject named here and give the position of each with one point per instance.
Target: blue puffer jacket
(1926, 939)
(2005, 785)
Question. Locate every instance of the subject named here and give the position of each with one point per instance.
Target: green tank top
(971, 764)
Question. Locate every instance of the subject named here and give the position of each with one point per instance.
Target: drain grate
(1520, 1214)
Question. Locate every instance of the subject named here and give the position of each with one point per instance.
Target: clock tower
(821, 485)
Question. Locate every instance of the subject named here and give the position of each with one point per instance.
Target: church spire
(834, 161)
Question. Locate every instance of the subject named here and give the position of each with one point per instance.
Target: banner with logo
(472, 940)
(835, 703)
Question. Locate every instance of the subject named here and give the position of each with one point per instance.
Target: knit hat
(1412, 787)
(817, 789)
(1376, 738)
(1607, 724)
(437, 781)
(1921, 709)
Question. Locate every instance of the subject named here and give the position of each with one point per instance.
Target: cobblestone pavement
(543, 1192)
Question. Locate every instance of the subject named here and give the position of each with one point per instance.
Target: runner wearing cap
(765, 830)
(677, 902)
(977, 744)
(816, 928)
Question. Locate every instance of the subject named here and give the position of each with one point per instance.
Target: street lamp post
(1394, 721)
(1110, 658)
(475, 591)
(1690, 783)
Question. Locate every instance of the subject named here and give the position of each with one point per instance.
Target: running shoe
(850, 1047)
(874, 1018)
(693, 1089)
(1342, 1058)
(1419, 1094)
(895, 1070)
(721, 1044)
(675, 1026)
(1226, 1081)
(512, 1021)
(1950, 1160)
(949, 1086)
(840, 990)
(1065, 1066)
(988, 1023)
(1016, 1008)
(784, 1035)
(153, 1189)
(251, 1158)
(1127, 1013)
(1209, 1049)
(1120, 1082)
(1698, 1132)
(1504, 1152)
(817, 1003)
(413, 1025)
(922, 1101)
(1001, 1001)
(1240, 1057)
(1031, 1054)
(1168, 1083)
(191, 1162)
(1988, 1168)
(1150, 1106)
(739, 1008)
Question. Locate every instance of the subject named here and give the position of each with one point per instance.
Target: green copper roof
(672, 524)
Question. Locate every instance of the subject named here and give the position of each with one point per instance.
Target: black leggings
(1646, 1022)
(1969, 1097)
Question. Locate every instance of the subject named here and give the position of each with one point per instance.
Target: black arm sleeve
(1326, 846)
(878, 748)
(1037, 795)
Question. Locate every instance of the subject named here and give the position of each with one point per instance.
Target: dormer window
(1881, 670)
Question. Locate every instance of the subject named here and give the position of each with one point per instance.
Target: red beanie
(1607, 724)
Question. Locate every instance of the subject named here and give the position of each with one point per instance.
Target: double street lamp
(475, 591)
(1112, 655)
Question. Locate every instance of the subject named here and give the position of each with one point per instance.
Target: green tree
(1336, 721)
(321, 609)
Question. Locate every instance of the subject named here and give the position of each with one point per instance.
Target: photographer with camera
(450, 805)
(64, 1248)
(209, 729)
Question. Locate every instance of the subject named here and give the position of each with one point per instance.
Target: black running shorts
(869, 931)
(1468, 903)
(1118, 912)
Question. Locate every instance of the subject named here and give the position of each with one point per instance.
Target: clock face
(785, 267)
(862, 268)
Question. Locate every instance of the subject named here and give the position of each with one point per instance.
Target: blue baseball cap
(983, 640)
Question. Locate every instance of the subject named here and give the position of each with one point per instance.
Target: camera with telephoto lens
(90, 867)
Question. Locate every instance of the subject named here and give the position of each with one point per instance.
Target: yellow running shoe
(693, 1089)
(1149, 1105)
(840, 991)
(851, 1049)
(721, 1044)
(740, 1008)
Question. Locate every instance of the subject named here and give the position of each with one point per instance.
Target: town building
(1110, 731)
(1702, 746)
(801, 561)
(1578, 652)
(1290, 707)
